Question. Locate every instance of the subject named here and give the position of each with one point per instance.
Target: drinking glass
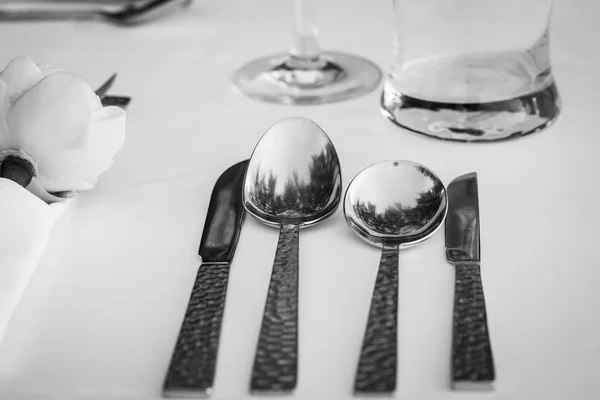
(471, 70)
(307, 75)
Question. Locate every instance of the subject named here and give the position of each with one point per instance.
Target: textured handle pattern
(192, 369)
(275, 364)
(472, 362)
(377, 365)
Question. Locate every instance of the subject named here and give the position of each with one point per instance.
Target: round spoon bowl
(395, 203)
(391, 205)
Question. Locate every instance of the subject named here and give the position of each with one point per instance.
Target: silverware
(472, 362)
(293, 180)
(105, 87)
(192, 369)
(392, 205)
(128, 14)
(119, 101)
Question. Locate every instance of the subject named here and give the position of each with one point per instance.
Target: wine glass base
(285, 79)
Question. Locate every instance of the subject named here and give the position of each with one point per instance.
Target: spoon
(293, 180)
(128, 14)
(391, 205)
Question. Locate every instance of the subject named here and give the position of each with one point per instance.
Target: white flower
(53, 118)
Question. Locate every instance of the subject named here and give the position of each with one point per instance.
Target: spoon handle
(275, 363)
(377, 365)
(472, 362)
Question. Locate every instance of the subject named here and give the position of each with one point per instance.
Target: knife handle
(275, 364)
(376, 372)
(472, 362)
(119, 101)
(192, 369)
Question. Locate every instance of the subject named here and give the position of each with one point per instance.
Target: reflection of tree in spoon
(299, 196)
(398, 219)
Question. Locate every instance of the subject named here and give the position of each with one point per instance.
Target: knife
(472, 361)
(191, 372)
(119, 101)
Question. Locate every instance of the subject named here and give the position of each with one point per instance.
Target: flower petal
(79, 169)
(71, 170)
(2, 92)
(36, 188)
(107, 131)
(48, 69)
(19, 75)
(93, 99)
(5, 142)
(52, 115)
(60, 122)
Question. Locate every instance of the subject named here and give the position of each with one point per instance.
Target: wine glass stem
(306, 45)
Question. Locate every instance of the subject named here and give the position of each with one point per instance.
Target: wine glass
(305, 74)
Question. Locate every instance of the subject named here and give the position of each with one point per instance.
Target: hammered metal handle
(275, 363)
(376, 372)
(192, 369)
(472, 362)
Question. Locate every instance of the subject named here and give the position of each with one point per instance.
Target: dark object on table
(192, 369)
(294, 180)
(392, 205)
(131, 13)
(119, 101)
(472, 361)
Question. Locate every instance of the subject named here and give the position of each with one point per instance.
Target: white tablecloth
(102, 313)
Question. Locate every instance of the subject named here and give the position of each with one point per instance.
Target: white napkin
(25, 226)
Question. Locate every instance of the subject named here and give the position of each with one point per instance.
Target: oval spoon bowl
(294, 175)
(293, 180)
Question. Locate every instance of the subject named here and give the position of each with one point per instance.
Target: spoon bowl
(395, 203)
(293, 176)
(293, 180)
(391, 205)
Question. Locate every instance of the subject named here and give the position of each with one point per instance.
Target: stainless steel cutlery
(472, 361)
(192, 369)
(131, 13)
(111, 100)
(392, 205)
(293, 180)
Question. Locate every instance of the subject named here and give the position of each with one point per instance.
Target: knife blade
(472, 361)
(191, 372)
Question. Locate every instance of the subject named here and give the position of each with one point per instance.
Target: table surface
(100, 317)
